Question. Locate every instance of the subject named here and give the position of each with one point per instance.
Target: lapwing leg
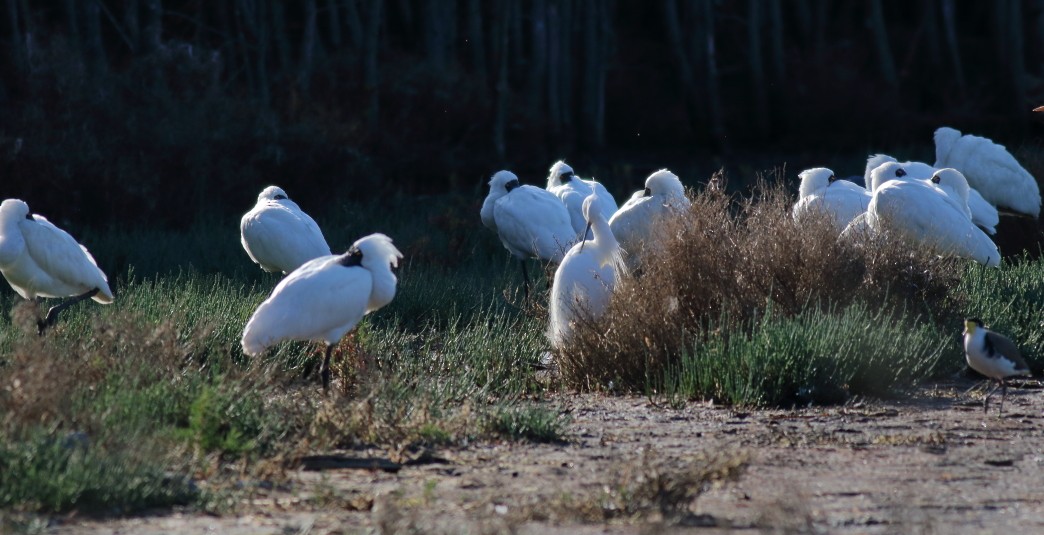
(986, 400)
(52, 314)
(325, 370)
(1004, 393)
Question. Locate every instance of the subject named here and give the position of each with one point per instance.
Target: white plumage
(278, 235)
(989, 168)
(39, 259)
(982, 213)
(326, 297)
(821, 190)
(927, 213)
(531, 222)
(585, 279)
(573, 191)
(638, 224)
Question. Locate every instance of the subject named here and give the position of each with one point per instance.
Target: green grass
(815, 357)
(119, 407)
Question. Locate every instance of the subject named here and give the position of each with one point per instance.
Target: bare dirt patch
(929, 463)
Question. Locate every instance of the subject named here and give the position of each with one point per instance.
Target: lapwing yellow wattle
(993, 355)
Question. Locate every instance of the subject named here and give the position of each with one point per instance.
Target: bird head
(885, 172)
(560, 174)
(971, 324)
(377, 252)
(503, 180)
(873, 162)
(815, 179)
(14, 210)
(953, 180)
(272, 193)
(664, 183)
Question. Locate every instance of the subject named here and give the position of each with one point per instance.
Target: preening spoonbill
(586, 277)
(573, 190)
(39, 259)
(325, 298)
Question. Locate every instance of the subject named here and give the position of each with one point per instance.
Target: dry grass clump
(726, 263)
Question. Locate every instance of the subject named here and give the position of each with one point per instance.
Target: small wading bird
(531, 222)
(39, 259)
(325, 298)
(278, 235)
(585, 279)
(573, 191)
(993, 355)
(821, 190)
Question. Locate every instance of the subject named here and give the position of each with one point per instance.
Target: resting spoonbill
(989, 168)
(638, 224)
(982, 213)
(573, 190)
(39, 259)
(325, 298)
(531, 222)
(927, 214)
(821, 190)
(278, 235)
(586, 277)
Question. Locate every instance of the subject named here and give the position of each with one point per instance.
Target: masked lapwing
(993, 355)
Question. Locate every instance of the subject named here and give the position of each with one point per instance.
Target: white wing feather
(992, 170)
(533, 222)
(322, 300)
(71, 270)
(280, 238)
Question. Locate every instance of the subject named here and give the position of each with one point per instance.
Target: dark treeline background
(157, 111)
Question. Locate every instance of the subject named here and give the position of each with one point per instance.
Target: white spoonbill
(821, 190)
(982, 213)
(586, 277)
(278, 235)
(39, 259)
(989, 168)
(927, 214)
(637, 224)
(573, 191)
(325, 298)
(993, 355)
(531, 222)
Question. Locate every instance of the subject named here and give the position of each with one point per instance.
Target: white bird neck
(11, 241)
(603, 241)
(488, 205)
(383, 290)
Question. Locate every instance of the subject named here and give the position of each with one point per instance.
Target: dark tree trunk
(538, 55)
(333, 22)
(308, 46)
(503, 57)
(885, 62)
(950, 25)
(715, 112)
(370, 81)
(353, 21)
(477, 46)
(686, 75)
(756, 65)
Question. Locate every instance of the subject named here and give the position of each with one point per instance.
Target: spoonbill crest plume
(925, 213)
(585, 279)
(821, 190)
(39, 259)
(993, 355)
(531, 222)
(325, 298)
(982, 213)
(278, 235)
(989, 168)
(638, 223)
(573, 191)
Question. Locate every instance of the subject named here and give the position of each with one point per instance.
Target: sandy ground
(929, 463)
